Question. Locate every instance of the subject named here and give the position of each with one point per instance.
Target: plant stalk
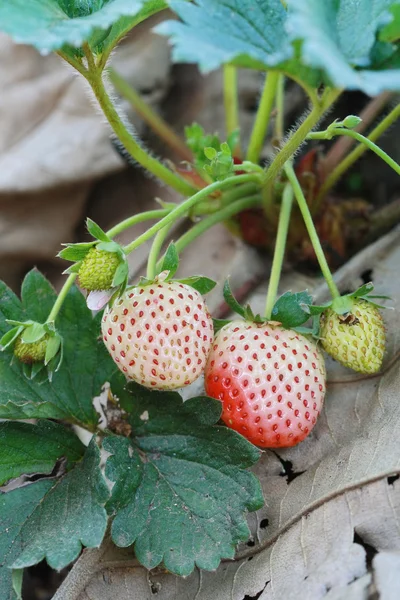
(231, 103)
(131, 145)
(296, 139)
(351, 158)
(263, 116)
(139, 218)
(279, 252)
(155, 251)
(312, 232)
(61, 297)
(182, 209)
(280, 108)
(144, 110)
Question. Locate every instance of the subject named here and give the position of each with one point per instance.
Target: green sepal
(10, 337)
(244, 311)
(96, 231)
(16, 579)
(121, 275)
(201, 284)
(33, 333)
(35, 369)
(73, 269)
(351, 122)
(292, 310)
(53, 346)
(75, 252)
(220, 323)
(111, 246)
(171, 261)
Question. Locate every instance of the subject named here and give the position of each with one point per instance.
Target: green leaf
(15, 508)
(27, 449)
(339, 37)
(50, 24)
(292, 309)
(249, 33)
(70, 515)
(37, 296)
(181, 489)
(84, 370)
(202, 284)
(171, 260)
(391, 33)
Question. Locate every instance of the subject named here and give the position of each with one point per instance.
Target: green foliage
(30, 449)
(70, 515)
(291, 309)
(85, 368)
(54, 24)
(16, 508)
(313, 41)
(178, 498)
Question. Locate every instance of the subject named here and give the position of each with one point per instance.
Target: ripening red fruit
(270, 380)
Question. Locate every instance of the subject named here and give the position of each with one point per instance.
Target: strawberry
(356, 339)
(159, 334)
(32, 352)
(97, 269)
(270, 380)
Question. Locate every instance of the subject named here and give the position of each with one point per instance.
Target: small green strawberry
(33, 352)
(352, 331)
(100, 264)
(355, 339)
(97, 269)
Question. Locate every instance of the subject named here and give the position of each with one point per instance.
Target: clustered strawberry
(98, 269)
(33, 352)
(270, 380)
(160, 334)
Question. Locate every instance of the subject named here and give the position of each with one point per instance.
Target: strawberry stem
(351, 158)
(219, 216)
(149, 116)
(138, 153)
(279, 128)
(279, 252)
(182, 209)
(312, 232)
(231, 104)
(263, 116)
(139, 218)
(155, 251)
(61, 297)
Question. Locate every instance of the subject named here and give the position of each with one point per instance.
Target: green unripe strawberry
(356, 339)
(33, 352)
(98, 269)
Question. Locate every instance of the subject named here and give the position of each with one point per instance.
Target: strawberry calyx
(37, 345)
(100, 264)
(343, 305)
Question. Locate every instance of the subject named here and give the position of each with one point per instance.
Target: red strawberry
(159, 335)
(270, 380)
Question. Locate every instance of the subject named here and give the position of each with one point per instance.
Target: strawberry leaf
(15, 509)
(252, 35)
(70, 515)
(84, 370)
(181, 482)
(27, 449)
(341, 39)
(54, 24)
(391, 33)
(292, 309)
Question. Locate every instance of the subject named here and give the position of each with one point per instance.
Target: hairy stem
(94, 77)
(321, 135)
(296, 139)
(312, 232)
(280, 108)
(139, 218)
(263, 116)
(279, 252)
(182, 209)
(343, 145)
(231, 103)
(144, 110)
(351, 158)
